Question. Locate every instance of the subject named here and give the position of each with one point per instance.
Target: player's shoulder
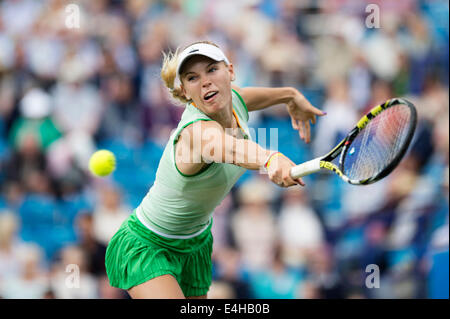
(200, 130)
(201, 125)
(237, 90)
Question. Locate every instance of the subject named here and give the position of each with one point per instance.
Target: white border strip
(142, 220)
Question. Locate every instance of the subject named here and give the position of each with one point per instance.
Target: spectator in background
(7, 95)
(401, 185)
(283, 58)
(93, 249)
(98, 15)
(71, 272)
(341, 117)
(323, 274)
(385, 64)
(9, 246)
(75, 98)
(253, 224)
(309, 290)
(221, 226)
(31, 280)
(7, 46)
(31, 136)
(359, 81)
(159, 113)
(256, 28)
(229, 267)
(334, 37)
(35, 110)
(18, 17)
(299, 227)
(26, 159)
(152, 41)
(118, 41)
(417, 43)
(381, 91)
(402, 80)
(121, 111)
(16, 82)
(221, 290)
(437, 255)
(44, 50)
(434, 103)
(40, 217)
(38, 183)
(276, 280)
(109, 214)
(13, 195)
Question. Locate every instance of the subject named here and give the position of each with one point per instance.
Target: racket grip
(306, 168)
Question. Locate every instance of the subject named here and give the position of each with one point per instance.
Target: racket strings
(380, 142)
(375, 147)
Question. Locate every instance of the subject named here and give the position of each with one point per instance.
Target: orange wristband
(266, 166)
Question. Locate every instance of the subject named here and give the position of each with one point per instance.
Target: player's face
(207, 83)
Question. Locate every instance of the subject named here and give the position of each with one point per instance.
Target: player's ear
(184, 92)
(231, 71)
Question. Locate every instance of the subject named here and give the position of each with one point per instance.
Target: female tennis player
(163, 250)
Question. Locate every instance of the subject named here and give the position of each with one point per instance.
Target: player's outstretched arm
(302, 113)
(218, 146)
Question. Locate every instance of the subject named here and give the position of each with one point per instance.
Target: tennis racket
(372, 149)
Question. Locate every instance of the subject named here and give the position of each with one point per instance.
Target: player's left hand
(302, 113)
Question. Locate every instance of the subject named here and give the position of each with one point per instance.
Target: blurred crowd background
(66, 92)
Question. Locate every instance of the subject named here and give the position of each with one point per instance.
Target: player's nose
(206, 82)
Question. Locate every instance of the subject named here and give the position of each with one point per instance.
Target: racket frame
(324, 162)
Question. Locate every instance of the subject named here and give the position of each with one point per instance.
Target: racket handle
(306, 168)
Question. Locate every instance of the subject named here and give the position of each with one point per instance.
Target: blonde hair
(169, 72)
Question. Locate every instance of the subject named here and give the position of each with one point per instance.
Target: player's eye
(191, 78)
(212, 69)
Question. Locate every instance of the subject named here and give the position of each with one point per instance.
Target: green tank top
(181, 206)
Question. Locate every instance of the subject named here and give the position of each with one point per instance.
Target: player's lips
(210, 95)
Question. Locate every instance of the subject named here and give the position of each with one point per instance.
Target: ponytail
(168, 74)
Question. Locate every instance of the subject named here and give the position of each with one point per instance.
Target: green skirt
(135, 255)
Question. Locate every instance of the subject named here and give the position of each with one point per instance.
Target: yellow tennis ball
(102, 163)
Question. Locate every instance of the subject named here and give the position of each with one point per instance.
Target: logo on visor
(195, 50)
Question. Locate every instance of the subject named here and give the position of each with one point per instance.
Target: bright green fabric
(44, 130)
(135, 255)
(181, 205)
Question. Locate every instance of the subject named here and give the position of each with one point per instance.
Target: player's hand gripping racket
(373, 148)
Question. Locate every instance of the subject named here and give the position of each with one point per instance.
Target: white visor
(205, 49)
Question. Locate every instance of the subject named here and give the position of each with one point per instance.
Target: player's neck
(225, 118)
